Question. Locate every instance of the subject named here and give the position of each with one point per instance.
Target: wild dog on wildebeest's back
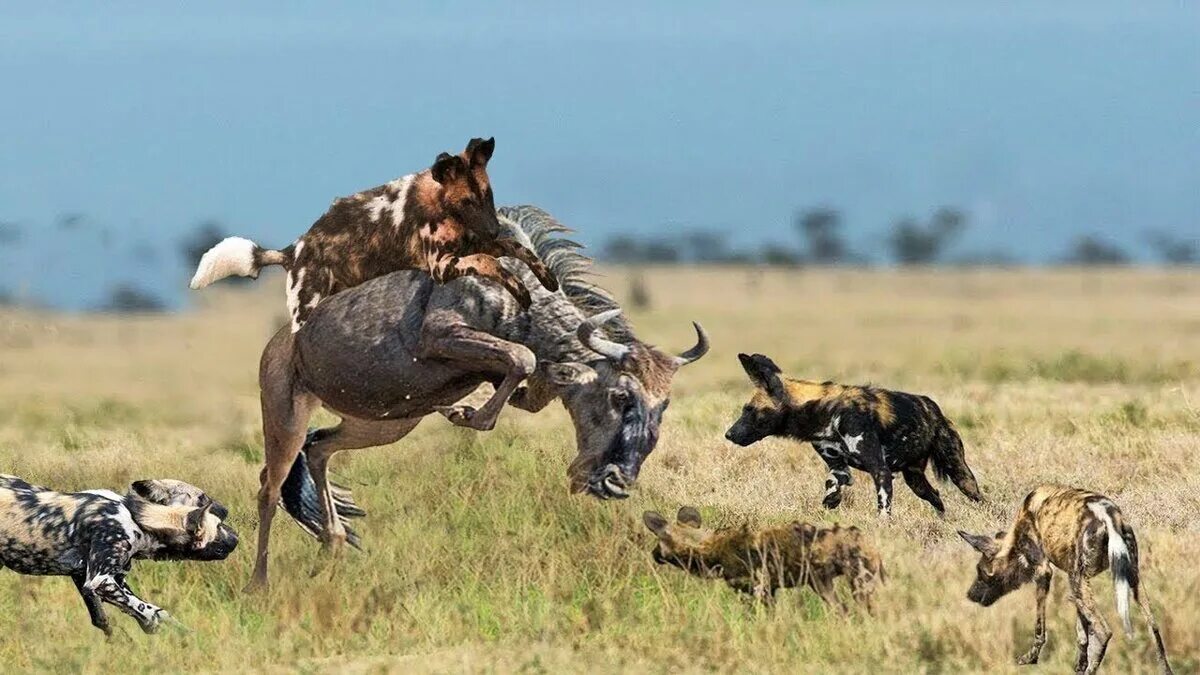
(761, 562)
(441, 220)
(94, 537)
(873, 430)
(1081, 533)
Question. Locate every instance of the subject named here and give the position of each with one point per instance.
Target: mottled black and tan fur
(1081, 533)
(874, 430)
(94, 537)
(760, 562)
(441, 220)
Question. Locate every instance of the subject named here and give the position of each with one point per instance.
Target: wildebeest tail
(300, 500)
(950, 460)
(237, 256)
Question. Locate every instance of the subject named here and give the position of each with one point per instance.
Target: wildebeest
(1081, 533)
(387, 353)
(94, 536)
(441, 220)
(761, 562)
(874, 430)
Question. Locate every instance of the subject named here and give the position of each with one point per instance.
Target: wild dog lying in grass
(874, 430)
(759, 563)
(94, 536)
(1081, 533)
(441, 220)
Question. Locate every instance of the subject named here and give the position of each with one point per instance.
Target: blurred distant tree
(1174, 250)
(1090, 249)
(639, 293)
(10, 233)
(779, 255)
(707, 246)
(916, 244)
(127, 298)
(7, 299)
(660, 251)
(622, 248)
(70, 221)
(821, 231)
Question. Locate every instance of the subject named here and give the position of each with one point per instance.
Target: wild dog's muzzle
(220, 547)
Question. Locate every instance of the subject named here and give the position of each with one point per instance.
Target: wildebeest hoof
(1027, 660)
(465, 416)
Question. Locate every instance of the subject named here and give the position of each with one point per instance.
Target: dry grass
(478, 560)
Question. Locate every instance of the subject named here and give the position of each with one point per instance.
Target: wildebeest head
(183, 532)
(466, 191)
(998, 571)
(616, 404)
(766, 413)
(171, 492)
(682, 543)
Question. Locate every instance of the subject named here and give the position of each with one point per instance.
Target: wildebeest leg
(1097, 628)
(448, 267)
(285, 413)
(920, 486)
(482, 352)
(511, 249)
(94, 606)
(351, 434)
(1041, 580)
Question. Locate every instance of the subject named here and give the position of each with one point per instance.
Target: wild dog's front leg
(94, 606)
(445, 267)
(483, 353)
(509, 248)
(838, 478)
(116, 592)
(1041, 580)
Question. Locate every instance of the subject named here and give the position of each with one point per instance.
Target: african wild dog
(874, 430)
(441, 220)
(1081, 533)
(759, 563)
(94, 537)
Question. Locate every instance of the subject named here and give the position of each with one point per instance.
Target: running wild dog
(759, 563)
(1081, 533)
(441, 220)
(874, 430)
(94, 537)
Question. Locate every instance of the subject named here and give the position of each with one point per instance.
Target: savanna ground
(477, 558)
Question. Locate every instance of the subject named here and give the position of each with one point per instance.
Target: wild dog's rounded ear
(569, 374)
(479, 151)
(764, 373)
(807, 530)
(980, 542)
(655, 521)
(150, 490)
(447, 168)
(688, 515)
(195, 520)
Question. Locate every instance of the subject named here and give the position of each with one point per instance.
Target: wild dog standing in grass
(759, 563)
(441, 220)
(94, 536)
(1081, 533)
(874, 430)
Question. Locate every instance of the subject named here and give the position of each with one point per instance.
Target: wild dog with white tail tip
(94, 536)
(441, 220)
(1081, 533)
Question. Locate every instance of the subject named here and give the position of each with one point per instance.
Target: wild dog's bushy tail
(299, 499)
(950, 459)
(1122, 558)
(236, 256)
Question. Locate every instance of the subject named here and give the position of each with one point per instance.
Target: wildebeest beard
(628, 449)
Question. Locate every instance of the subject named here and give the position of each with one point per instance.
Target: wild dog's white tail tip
(232, 256)
(1120, 563)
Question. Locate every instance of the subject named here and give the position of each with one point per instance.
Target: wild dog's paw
(832, 499)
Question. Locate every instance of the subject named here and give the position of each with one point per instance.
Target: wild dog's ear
(764, 373)
(806, 530)
(448, 168)
(688, 515)
(656, 522)
(480, 151)
(150, 490)
(195, 520)
(980, 542)
(569, 374)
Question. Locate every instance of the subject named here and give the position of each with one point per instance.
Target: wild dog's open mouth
(609, 483)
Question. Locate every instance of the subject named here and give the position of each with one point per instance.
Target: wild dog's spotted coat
(441, 220)
(874, 430)
(94, 536)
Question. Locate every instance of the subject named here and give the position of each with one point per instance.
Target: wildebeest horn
(696, 352)
(607, 348)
